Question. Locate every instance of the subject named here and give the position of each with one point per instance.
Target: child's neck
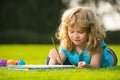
(79, 49)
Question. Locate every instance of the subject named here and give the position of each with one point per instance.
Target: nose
(76, 35)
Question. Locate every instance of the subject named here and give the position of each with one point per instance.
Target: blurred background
(35, 21)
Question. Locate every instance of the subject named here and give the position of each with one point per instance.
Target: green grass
(36, 54)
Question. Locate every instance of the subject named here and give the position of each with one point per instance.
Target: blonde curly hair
(85, 19)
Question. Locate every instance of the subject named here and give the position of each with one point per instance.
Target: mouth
(76, 40)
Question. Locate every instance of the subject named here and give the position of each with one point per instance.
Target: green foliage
(30, 15)
(35, 21)
(27, 21)
(25, 37)
(113, 37)
(36, 54)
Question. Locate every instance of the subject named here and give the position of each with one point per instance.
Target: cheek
(69, 35)
(85, 37)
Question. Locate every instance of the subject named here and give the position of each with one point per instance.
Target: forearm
(92, 66)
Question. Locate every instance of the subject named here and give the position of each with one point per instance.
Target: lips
(76, 41)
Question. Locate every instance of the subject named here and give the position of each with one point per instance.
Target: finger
(80, 64)
(56, 55)
(53, 54)
(59, 60)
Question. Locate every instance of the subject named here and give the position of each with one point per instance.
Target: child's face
(77, 36)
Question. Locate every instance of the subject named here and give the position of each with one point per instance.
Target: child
(82, 41)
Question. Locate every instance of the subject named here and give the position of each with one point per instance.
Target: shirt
(74, 57)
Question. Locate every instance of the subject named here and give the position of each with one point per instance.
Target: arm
(56, 58)
(95, 60)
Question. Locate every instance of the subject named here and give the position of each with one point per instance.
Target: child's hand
(82, 64)
(54, 56)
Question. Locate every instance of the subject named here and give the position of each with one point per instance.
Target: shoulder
(63, 50)
(66, 52)
(100, 48)
(103, 44)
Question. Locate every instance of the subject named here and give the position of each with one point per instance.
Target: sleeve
(103, 44)
(63, 50)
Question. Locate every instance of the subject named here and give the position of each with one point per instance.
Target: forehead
(75, 28)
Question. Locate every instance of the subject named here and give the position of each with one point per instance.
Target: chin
(77, 44)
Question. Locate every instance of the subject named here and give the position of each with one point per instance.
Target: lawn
(36, 54)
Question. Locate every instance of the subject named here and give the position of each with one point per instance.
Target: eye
(71, 31)
(81, 32)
